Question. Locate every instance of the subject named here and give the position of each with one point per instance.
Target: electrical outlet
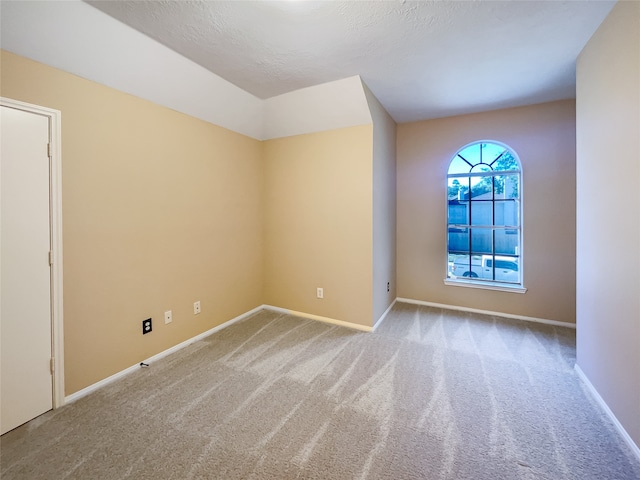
(196, 307)
(320, 292)
(146, 326)
(168, 317)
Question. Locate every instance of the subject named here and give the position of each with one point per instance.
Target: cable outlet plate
(196, 307)
(146, 326)
(168, 317)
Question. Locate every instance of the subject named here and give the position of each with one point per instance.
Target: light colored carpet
(433, 394)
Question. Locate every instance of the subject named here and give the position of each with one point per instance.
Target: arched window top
(483, 157)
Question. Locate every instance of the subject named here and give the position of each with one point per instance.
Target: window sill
(501, 287)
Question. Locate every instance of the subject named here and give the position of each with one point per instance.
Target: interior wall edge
(320, 318)
(382, 318)
(546, 321)
(600, 401)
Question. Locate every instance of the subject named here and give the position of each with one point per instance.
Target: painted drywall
(159, 210)
(384, 206)
(318, 223)
(608, 223)
(154, 72)
(544, 138)
(328, 106)
(125, 59)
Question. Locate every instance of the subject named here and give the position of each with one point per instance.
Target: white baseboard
(91, 388)
(310, 316)
(488, 312)
(627, 438)
(384, 315)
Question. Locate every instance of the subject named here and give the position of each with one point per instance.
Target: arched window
(484, 205)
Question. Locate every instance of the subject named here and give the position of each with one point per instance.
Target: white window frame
(483, 284)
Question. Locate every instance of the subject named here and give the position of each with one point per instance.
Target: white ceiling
(422, 60)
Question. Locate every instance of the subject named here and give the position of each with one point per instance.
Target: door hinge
(52, 365)
(50, 257)
(49, 150)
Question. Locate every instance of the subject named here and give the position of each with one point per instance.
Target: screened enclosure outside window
(484, 231)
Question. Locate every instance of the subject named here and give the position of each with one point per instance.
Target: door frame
(55, 216)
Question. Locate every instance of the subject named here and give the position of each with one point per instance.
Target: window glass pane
(506, 161)
(458, 165)
(471, 153)
(482, 212)
(507, 186)
(458, 213)
(491, 151)
(507, 269)
(507, 241)
(507, 263)
(458, 188)
(481, 240)
(481, 188)
(458, 240)
(507, 212)
(481, 167)
(458, 265)
(465, 266)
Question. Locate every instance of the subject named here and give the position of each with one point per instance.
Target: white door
(26, 386)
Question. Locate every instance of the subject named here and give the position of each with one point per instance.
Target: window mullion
(493, 230)
(470, 224)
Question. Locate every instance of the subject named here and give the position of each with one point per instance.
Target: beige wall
(544, 138)
(159, 210)
(384, 206)
(608, 222)
(318, 223)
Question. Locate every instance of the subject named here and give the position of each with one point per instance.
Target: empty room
(308, 239)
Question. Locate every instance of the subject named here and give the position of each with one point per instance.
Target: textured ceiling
(421, 59)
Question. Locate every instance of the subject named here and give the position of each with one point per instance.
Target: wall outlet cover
(146, 326)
